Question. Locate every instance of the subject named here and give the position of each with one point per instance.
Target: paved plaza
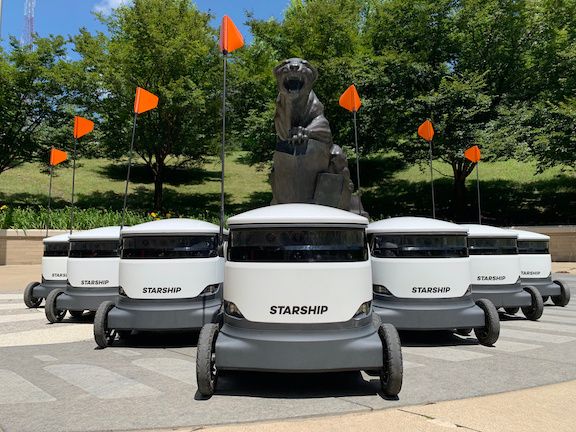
(52, 377)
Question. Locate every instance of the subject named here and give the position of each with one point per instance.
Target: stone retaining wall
(25, 246)
(562, 240)
(22, 246)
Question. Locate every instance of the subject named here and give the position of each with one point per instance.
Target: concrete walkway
(548, 408)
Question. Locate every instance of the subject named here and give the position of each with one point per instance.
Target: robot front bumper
(511, 295)
(545, 286)
(47, 286)
(429, 314)
(77, 299)
(298, 347)
(160, 314)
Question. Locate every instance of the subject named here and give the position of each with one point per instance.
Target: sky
(65, 17)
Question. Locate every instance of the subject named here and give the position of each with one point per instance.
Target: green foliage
(59, 219)
(168, 48)
(33, 103)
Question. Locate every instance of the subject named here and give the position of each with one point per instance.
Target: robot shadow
(167, 339)
(435, 338)
(296, 385)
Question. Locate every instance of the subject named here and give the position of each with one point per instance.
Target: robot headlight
(381, 289)
(232, 310)
(364, 309)
(210, 290)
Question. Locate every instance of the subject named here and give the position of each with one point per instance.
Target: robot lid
(60, 238)
(96, 234)
(302, 214)
(415, 225)
(487, 231)
(172, 227)
(530, 236)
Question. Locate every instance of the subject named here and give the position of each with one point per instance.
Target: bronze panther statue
(308, 166)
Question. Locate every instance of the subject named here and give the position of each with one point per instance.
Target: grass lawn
(512, 192)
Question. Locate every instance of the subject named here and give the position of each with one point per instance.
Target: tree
(328, 34)
(34, 106)
(460, 110)
(169, 48)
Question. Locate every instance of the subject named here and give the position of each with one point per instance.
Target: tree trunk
(461, 170)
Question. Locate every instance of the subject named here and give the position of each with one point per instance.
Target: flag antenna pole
(144, 101)
(432, 182)
(49, 199)
(426, 132)
(73, 184)
(357, 162)
(128, 171)
(478, 190)
(230, 40)
(474, 155)
(82, 127)
(222, 151)
(350, 100)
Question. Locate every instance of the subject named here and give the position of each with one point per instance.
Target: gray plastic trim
(75, 298)
(510, 295)
(292, 350)
(545, 286)
(170, 314)
(429, 314)
(47, 286)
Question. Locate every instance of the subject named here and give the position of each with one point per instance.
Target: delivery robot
(170, 279)
(298, 298)
(92, 274)
(536, 267)
(421, 278)
(54, 275)
(495, 265)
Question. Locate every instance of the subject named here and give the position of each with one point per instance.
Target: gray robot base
(35, 292)
(355, 345)
(556, 290)
(512, 297)
(460, 314)
(76, 300)
(127, 314)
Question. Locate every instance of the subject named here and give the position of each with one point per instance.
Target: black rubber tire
(545, 299)
(535, 310)
(489, 334)
(206, 372)
(76, 314)
(29, 300)
(53, 314)
(464, 331)
(103, 336)
(393, 371)
(512, 310)
(564, 298)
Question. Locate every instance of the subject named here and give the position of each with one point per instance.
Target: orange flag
(57, 156)
(230, 37)
(145, 101)
(82, 126)
(426, 131)
(473, 154)
(350, 99)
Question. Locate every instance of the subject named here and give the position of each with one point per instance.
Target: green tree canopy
(34, 106)
(168, 48)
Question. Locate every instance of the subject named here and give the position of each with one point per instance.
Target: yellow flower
(153, 214)
(4, 207)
